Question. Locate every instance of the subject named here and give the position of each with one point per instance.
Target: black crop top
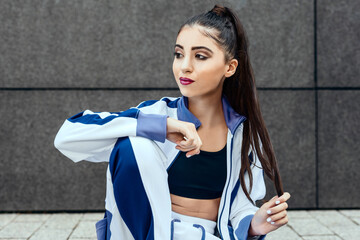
(201, 176)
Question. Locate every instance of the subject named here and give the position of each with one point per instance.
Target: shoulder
(164, 102)
(164, 106)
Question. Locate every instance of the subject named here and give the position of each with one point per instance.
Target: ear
(231, 67)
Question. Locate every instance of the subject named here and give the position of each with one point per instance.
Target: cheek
(212, 72)
(175, 68)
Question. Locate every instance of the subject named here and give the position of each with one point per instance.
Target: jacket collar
(232, 118)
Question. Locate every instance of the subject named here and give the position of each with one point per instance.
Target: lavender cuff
(152, 126)
(242, 231)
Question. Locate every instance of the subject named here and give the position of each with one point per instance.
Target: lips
(186, 81)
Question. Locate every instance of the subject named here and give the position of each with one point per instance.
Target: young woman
(190, 167)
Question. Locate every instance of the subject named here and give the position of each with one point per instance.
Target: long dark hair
(240, 89)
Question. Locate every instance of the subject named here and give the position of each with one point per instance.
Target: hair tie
(219, 10)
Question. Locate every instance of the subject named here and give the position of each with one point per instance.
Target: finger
(188, 141)
(192, 153)
(278, 208)
(281, 221)
(272, 201)
(183, 138)
(186, 149)
(188, 133)
(284, 197)
(277, 216)
(277, 200)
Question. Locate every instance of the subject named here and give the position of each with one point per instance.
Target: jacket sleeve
(91, 135)
(242, 210)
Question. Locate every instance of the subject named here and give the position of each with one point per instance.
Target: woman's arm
(242, 210)
(91, 135)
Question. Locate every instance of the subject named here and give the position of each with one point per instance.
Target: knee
(135, 144)
(147, 153)
(129, 151)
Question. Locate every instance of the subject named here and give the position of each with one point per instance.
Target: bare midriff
(201, 208)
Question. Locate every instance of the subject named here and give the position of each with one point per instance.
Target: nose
(186, 65)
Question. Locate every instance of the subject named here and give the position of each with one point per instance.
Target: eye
(176, 54)
(201, 57)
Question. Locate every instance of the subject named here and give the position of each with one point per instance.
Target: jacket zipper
(231, 148)
(226, 188)
(172, 161)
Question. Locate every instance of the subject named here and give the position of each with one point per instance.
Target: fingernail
(272, 222)
(277, 202)
(268, 211)
(268, 219)
(188, 156)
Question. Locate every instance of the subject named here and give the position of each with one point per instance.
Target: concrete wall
(59, 57)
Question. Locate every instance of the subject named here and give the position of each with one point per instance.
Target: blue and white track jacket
(95, 137)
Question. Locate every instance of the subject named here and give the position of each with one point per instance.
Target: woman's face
(199, 58)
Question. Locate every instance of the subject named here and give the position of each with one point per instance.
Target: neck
(208, 109)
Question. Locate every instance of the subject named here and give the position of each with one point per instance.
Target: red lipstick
(186, 81)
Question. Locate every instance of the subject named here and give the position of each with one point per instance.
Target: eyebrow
(194, 48)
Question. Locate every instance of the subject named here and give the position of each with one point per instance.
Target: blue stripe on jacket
(96, 119)
(130, 196)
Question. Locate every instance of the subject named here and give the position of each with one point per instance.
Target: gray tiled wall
(58, 58)
(338, 43)
(339, 137)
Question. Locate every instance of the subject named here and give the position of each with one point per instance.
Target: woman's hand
(270, 216)
(176, 130)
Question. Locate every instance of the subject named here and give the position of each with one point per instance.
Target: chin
(185, 93)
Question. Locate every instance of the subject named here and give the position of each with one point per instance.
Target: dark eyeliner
(202, 57)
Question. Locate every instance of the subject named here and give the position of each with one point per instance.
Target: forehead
(195, 36)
